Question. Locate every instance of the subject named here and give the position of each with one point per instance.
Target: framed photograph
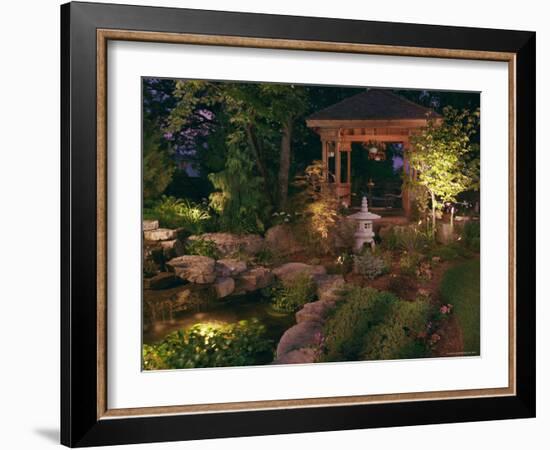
(276, 224)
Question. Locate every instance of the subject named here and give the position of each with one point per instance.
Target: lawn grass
(460, 287)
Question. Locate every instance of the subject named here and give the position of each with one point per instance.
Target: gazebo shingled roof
(376, 115)
(374, 104)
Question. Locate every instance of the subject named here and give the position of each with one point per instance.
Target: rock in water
(253, 279)
(194, 268)
(162, 280)
(224, 287)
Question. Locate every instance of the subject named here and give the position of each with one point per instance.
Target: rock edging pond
(301, 343)
(185, 283)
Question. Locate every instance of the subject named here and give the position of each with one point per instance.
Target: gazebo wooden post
(338, 174)
(348, 179)
(324, 150)
(405, 191)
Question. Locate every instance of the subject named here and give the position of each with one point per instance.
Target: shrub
(202, 247)
(471, 235)
(408, 263)
(294, 294)
(391, 240)
(396, 336)
(210, 345)
(410, 238)
(375, 325)
(342, 266)
(369, 265)
(178, 213)
(319, 205)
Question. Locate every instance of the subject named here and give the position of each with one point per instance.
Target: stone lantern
(365, 232)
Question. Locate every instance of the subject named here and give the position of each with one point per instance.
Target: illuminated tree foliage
(158, 166)
(252, 127)
(446, 157)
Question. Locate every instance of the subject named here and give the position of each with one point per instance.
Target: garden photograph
(302, 224)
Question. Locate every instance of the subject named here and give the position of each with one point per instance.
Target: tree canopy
(446, 157)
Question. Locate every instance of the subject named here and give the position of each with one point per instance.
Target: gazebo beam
(392, 123)
(375, 137)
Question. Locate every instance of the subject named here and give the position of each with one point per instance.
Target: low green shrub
(202, 247)
(396, 336)
(210, 345)
(369, 264)
(371, 324)
(293, 294)
(178, 213)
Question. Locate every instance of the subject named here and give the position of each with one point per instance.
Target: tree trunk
(433, 212)
(452, 218)
(284, 163)
(255, 146)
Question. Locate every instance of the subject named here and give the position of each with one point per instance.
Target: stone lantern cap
(364, 214)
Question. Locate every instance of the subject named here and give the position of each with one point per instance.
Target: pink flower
(444, 309)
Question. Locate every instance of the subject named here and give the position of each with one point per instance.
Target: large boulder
(289, 271)
(224, 287)
(162, 280)
(160, 234)
(194, 268)
(314, 311)
(160, 305)
(230, 267)
(153, 259)
(229, 244)
(329, 287)
(253, 279)
(281, 240)
(300, 356)
(150, 225)
(306, 334)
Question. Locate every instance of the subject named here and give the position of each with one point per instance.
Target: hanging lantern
(375, 153)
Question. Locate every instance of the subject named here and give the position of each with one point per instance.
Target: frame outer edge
(65, 370)
(80, 427)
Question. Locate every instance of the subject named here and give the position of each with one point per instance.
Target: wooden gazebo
(376, 115)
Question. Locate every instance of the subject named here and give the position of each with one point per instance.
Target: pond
(231, 310)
